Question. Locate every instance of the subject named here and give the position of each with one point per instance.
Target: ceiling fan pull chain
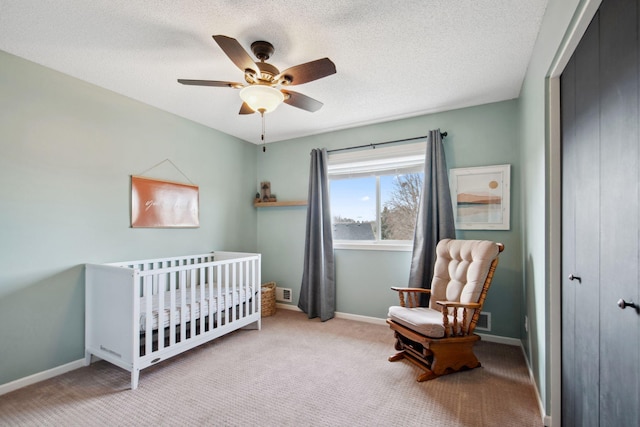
(264, 149)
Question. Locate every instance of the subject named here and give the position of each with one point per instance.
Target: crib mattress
(201, 308)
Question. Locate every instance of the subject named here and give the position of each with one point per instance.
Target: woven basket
(268, 298)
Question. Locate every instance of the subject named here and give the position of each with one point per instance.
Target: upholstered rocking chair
(439, 338)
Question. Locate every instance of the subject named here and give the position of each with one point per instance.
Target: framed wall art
(163, 204)
(480, 197)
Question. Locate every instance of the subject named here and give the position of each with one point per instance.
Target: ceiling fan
(264, 91)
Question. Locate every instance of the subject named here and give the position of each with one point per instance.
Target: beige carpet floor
(294, 372)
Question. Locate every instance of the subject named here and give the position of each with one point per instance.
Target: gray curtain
(318, 290)
(435, 214)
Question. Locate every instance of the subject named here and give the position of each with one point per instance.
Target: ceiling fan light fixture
(262, 98)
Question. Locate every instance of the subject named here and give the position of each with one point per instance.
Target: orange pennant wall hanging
(163, 204)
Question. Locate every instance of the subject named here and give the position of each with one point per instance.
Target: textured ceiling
(394, 59)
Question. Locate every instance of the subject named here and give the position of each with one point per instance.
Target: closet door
(619, 328)
(600, 238)
(580, 234)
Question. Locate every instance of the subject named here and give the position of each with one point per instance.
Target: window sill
(373, 246)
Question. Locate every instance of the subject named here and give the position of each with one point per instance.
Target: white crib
(139, 313)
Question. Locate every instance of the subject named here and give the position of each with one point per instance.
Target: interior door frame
(582, 18)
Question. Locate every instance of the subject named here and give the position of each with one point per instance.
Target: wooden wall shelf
(274, 204)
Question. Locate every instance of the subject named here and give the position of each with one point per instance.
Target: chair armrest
(421, 290)
(456, 304)
(413, 295)
(454, 330)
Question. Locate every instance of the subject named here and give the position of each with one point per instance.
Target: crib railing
(181, 302)
(141, 312)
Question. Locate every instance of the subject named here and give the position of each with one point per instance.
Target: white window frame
(401, 159)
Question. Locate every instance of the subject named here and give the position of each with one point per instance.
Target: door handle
(572, 277)
(623, 304)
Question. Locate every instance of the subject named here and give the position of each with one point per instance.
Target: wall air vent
(484, 321)
(283, 294)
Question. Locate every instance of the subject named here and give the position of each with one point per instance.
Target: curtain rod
(373, 145)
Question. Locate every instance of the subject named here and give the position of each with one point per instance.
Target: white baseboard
(287, 307)
(356, 317)
(546, 419)
(359, 318)
(379, 321)
(500, 340)
(41, 376)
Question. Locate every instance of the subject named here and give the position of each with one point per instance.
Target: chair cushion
(423, 320)
(460, 270)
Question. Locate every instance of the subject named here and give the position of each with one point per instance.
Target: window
(375, 195)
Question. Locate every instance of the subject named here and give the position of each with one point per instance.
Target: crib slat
(219, 307)
(148, 327)
(161, 287)
(155, 266)
(255, 294)
(226, 296)
(172, 309)
(242, 294)
(257, 286)
(203, 285)
(192, 292)
(183, 299)
(192, 305)
(234, 283)
(248, 289)
(210, 284)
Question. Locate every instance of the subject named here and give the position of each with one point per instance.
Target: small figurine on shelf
(265, 190)
(257, 199)
(272, 198)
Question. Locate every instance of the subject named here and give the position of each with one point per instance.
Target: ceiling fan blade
(307, 72)
(236, 53)
(215, 83)
(301, 101)
(245, 109)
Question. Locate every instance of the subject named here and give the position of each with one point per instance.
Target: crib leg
(253, 326)
(135, 376)
(87, 358)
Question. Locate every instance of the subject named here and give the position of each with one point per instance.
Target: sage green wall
(559, 18)
(67, 151)
(68, 148)
(478, 136)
